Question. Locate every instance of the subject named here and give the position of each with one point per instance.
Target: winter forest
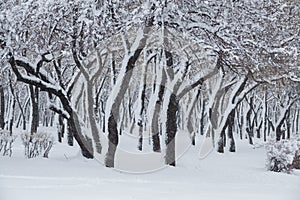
(201, 89)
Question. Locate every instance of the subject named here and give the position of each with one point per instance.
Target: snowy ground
(66, 175)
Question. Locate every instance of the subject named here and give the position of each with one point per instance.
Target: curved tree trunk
(123, 83)
(92, 117)
(73, 122)
(113, 135)
(84, 142)
(157, 108)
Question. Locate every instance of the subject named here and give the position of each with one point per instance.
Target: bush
(37, 144)
(6, 142)
(296, 161)
(281, 154)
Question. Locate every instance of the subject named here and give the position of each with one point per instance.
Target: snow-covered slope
(68, 176)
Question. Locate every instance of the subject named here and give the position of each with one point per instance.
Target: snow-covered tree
(111, 66)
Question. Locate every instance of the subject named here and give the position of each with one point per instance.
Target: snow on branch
(202, 79)
(33, 80)
(59, 111)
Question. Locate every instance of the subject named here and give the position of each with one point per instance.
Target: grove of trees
(222, 69)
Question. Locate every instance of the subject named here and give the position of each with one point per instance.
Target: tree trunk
(73, 122)
(155, 128)
(279, 130)
(123, 83)
(297, 121)
(12, 106)
(249, 128)
(23, 116)
(140, 145)
(84, 142)
(171, 126)
(11, 120)
(230, 131)
(2, 107)
(61, 128)
(157, 108)
(288, 126)
(284, 116)
(258, 130)
(202, 116)
(92, 117)
(265, 114)
(113, 141)
(103, 115)
(34, 95)
(70, 134)
(240, 121)
(222, 139)
(221, 142)
(190, 125)
(141, 121)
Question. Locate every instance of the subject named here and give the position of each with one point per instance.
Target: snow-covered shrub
(6, 142)
(280, 155)
(296, 161)
(37, 144)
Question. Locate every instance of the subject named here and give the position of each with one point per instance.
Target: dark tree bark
(13, 106)
(2, 107)
(171, 126)
(258, 130)
(240, 121)
(113, 139)
(140, 145)
(190, 125)
(202, 117)
(70, 135)
(173, 108)
(288, 126)
(221, 142)
(155, 129)
(250, 125)
(157, 108)
(61, 128)
(230, 131)
(122, 121)
(34, 96)
(103, 115)
(11, 120)
(141, 122)
(222, 139)
(297, 121)
(99, 102)
(279, 131)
